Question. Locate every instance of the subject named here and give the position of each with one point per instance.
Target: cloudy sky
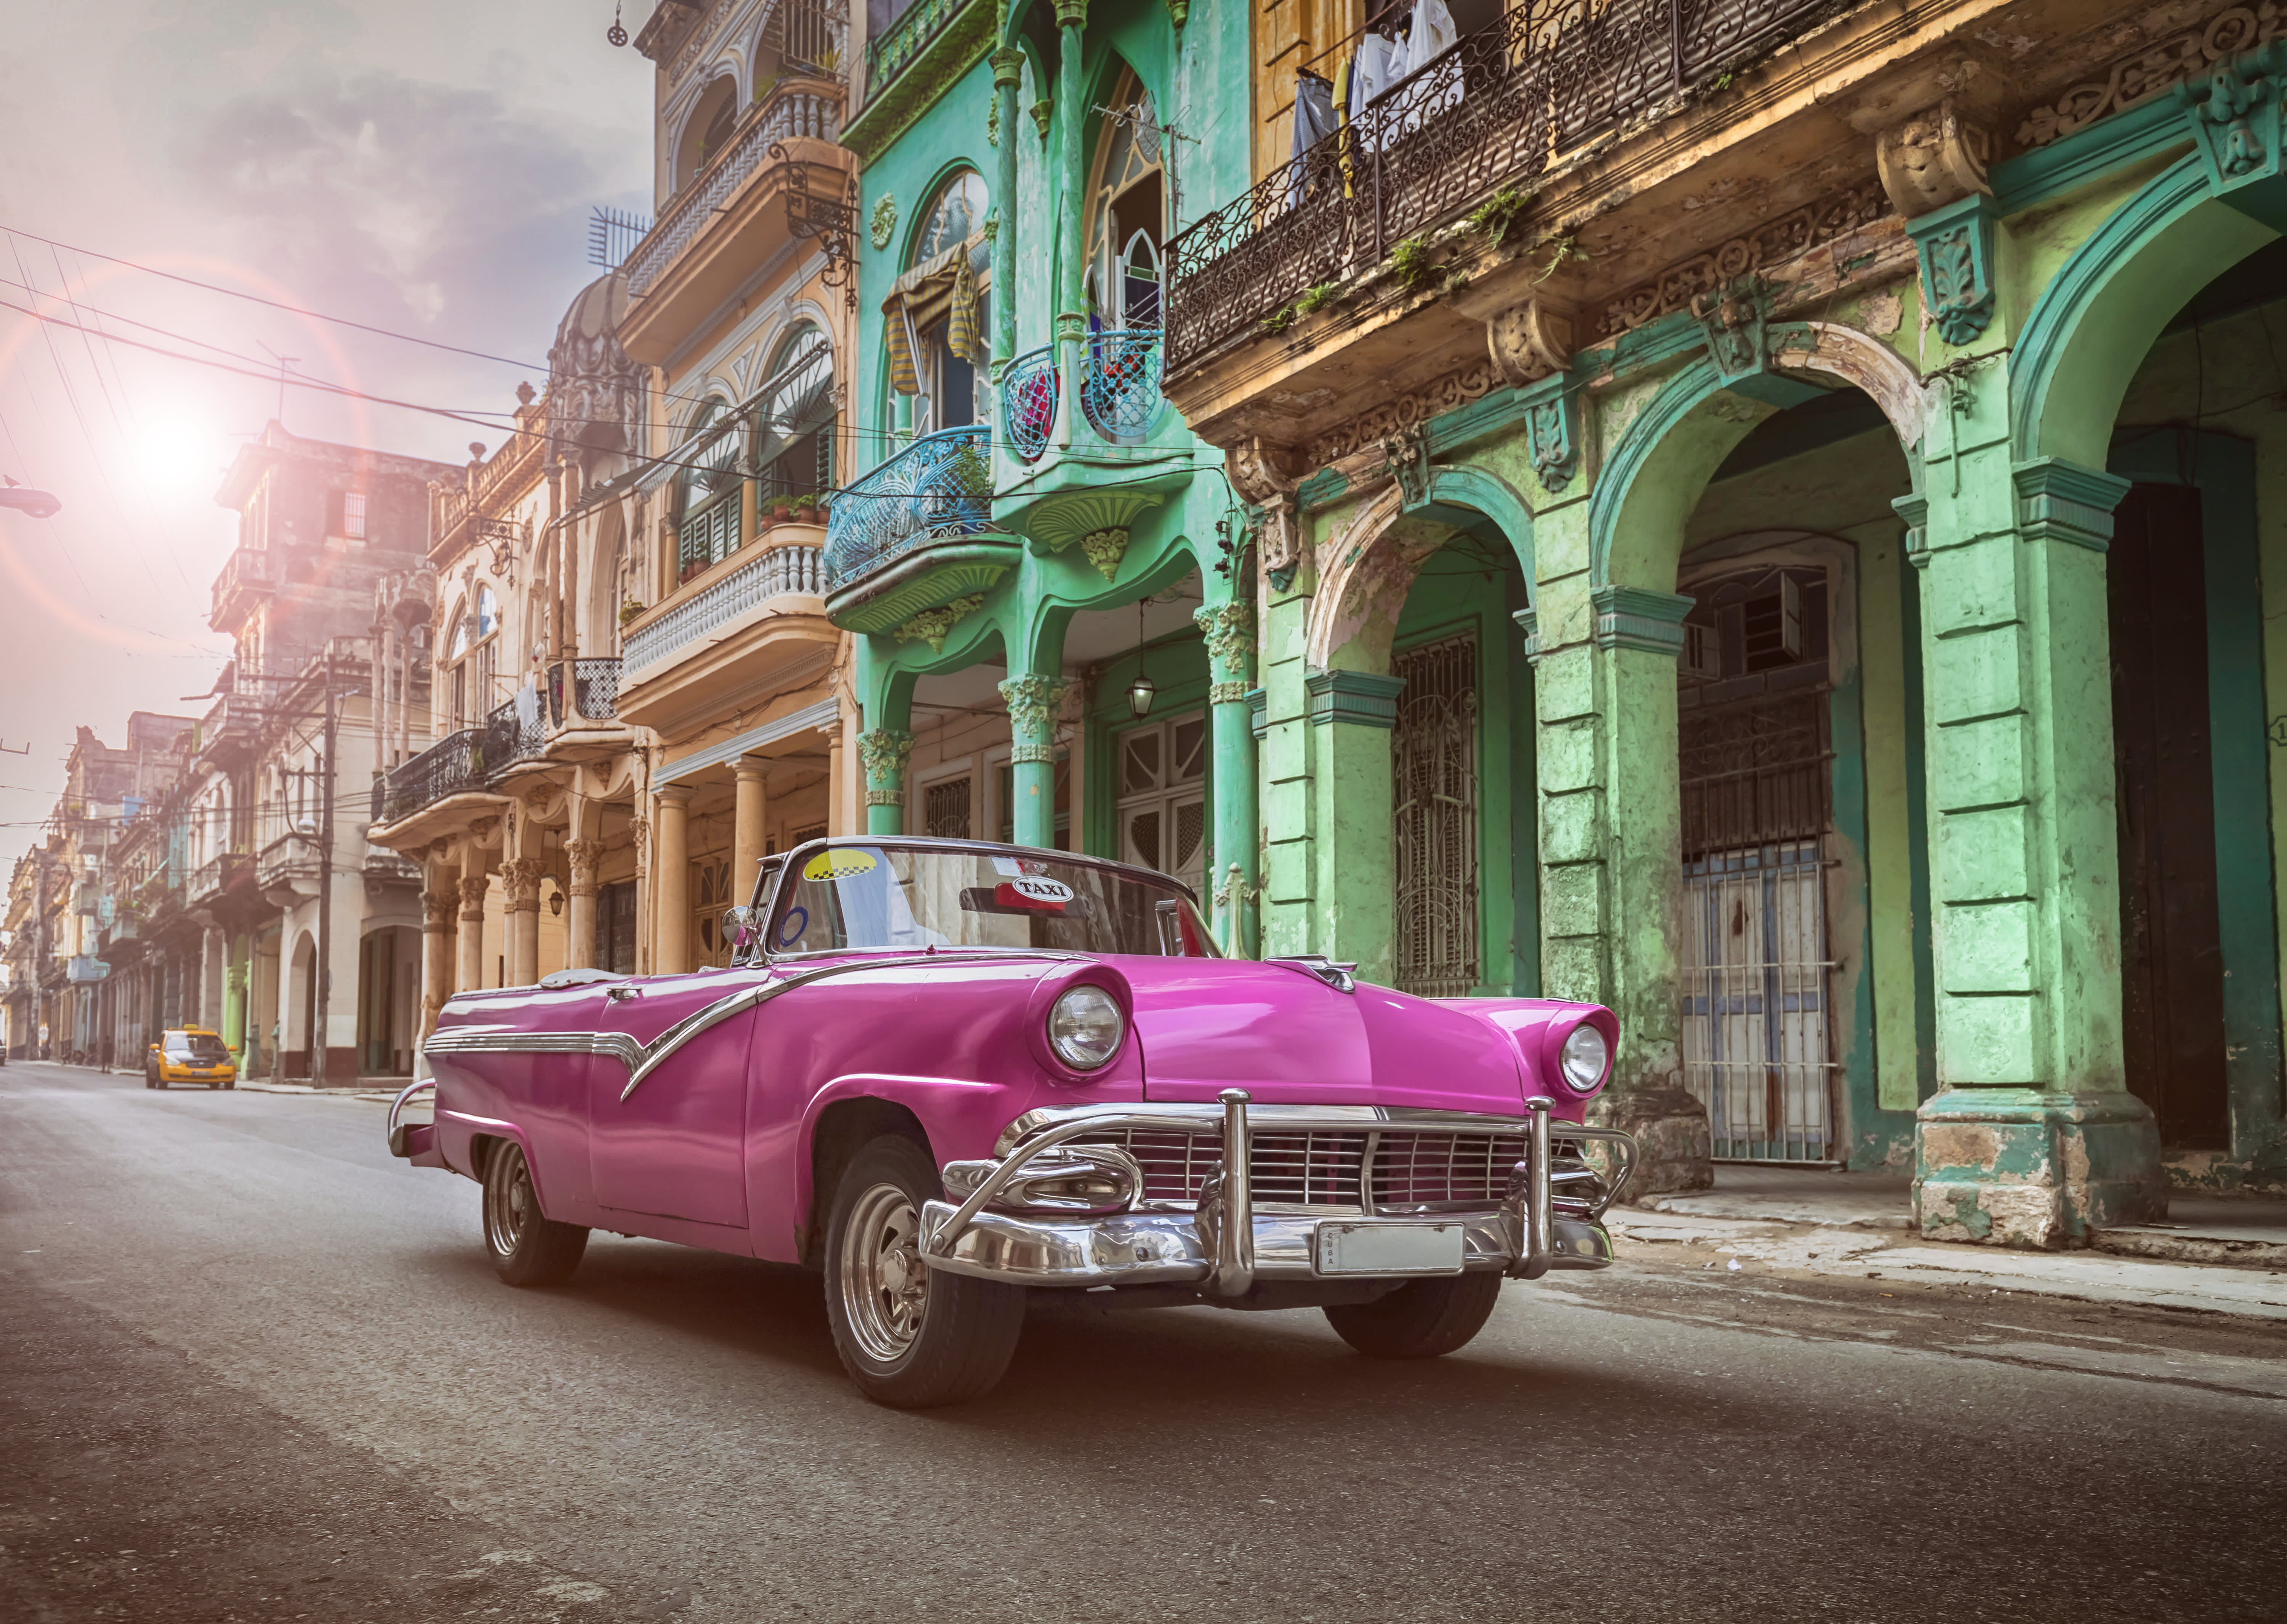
(419, 165)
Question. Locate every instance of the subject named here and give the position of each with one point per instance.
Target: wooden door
(2171, 951)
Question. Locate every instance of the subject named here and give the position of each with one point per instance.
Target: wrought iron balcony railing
(595, 691)
(447, 768)
(810, 107)
(1493, 111)
(1119, 389)
(938, 488)
(1028, 402)
(776, 571)
(888, 55)
(507, 738)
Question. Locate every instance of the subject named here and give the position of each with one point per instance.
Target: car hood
(1288, 1038)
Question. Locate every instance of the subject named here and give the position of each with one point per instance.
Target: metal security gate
(1757, 1039)
(1434, 777)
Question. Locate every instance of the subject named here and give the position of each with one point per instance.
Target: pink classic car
(951, 1075)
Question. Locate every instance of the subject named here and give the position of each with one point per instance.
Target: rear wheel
(1421, 1320)
(528, 1248)
(911, 1337)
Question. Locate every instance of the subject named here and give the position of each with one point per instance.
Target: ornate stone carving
(1956, 245)
(1552, 412)
(1033, 701)
(1226, 693)
(639, 827)
(883, 752)
(482, 829)
(2153, 70)
(1936, 157)
(1105, 549)
(437, 908)
(1769, 245)
(1384, 422)
(521, 876)
(2236, 117)
(474, 888)
(1405, 458)
(1071, 14)
(1228, 630)
(584, 857)
(1529, 341)
(883, 221)
(595, 391)
(934, 626)
(1734, 319)
(1008, 66)
(1042, 110)
(1265, 477)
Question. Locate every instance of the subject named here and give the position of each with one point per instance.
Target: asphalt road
(251, 1369)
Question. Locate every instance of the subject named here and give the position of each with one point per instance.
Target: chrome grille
(1410, 1168)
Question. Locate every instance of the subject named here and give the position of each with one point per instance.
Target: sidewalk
(2212, 1255)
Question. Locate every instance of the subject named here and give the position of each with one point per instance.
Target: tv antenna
(283, 361)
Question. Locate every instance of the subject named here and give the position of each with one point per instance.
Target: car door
(673, 1146)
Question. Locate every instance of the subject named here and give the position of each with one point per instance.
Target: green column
(1289, 876)
(1071, 220)
(233, 1006)
(1008, 75)
(2032, 1139)
(1610, 822)
(1350, 715)
(883, 752)
(1033, 699)
(1228, 629)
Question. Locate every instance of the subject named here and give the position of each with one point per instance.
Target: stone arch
(720, 94)
(2099, 316)
(1635, 522)
(1368, 567)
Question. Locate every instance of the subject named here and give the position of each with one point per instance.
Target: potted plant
(805, 507)
(781, 508)
(630, 610)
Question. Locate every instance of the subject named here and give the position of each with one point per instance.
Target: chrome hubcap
(509, 1209)
(884, 1283)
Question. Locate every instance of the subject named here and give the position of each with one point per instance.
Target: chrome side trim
(642, 1058)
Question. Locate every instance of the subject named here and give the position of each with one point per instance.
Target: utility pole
(325, 966)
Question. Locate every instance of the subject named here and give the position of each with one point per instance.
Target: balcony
(751, 621)
(916, 533)
(712, 234)
(218, 876)
(593, 695)
(449, 767)
(1506, 104)
(921, 25)
(247, 579)
(287, 871)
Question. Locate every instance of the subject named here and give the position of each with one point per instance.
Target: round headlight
(1584, 1058)
(1085, 1027)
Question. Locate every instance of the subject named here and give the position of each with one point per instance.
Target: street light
(33, 504)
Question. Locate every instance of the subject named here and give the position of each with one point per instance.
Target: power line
(291, 309)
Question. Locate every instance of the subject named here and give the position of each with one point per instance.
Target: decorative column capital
(522, 877)
(1358, 698)
(583, 855)
(1007, 68)
(1071, 14)
(674, 795)
(1955, 245)
(1936, 157)
(1637, 617)
(436, 909)
(1033, 701)
(1552, 438)
(883, 754)
(1228, 629)
(1915, 511)
(474, 888)
(2059, 501)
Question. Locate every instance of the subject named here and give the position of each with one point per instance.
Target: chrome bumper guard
(1224, 1246)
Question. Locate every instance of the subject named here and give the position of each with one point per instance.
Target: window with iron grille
(944, 808)
(1434, 779)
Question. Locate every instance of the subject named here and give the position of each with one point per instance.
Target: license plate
(1388, 1248)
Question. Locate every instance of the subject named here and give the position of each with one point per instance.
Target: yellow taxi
(190, 1054)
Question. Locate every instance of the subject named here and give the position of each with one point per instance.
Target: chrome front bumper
(1225, 1245)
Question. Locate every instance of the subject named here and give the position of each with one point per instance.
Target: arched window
(706, 132)
(1126, 213)
(709, 532)
(795, 416)
(944, 317)
(473, 656)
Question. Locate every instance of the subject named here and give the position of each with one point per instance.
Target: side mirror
(738, 927)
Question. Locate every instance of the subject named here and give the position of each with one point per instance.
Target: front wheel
(1422, 1319)
(910, 1337)
(528, 1248)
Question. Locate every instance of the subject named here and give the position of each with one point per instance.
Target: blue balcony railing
(937, 489)
(1120, 390)
(1028, 402)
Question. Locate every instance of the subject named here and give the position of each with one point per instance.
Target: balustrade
(1119, 389)
(939, 488)
(778, 572)
(1028, 402)
(1493, 111)
(811, 109)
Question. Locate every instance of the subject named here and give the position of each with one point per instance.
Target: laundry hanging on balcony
(1314, 122)
(944, 285)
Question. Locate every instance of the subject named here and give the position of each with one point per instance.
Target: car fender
(455, 1142)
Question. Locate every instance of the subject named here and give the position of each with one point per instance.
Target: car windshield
(196, 1046)
(876, 896)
